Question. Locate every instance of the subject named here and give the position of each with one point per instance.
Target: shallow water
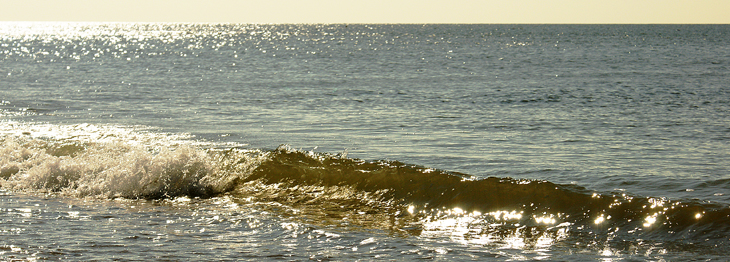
(522, 142)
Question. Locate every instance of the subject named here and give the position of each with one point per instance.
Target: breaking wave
(331, 189)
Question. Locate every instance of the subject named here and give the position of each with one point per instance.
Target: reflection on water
(498, 229)
(608, 150)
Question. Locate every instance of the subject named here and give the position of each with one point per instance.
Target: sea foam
(89, 160)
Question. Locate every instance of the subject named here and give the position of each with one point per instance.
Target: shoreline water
(442, 141)
(347, 194)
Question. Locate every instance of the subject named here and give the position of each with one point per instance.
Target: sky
(373, 11)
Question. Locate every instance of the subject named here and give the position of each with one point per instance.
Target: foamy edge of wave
(113, 161)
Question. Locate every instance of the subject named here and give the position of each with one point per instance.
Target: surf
(107, 162)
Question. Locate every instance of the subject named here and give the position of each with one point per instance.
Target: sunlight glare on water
(179, 141)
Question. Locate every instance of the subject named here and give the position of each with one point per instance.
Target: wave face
(395, 197)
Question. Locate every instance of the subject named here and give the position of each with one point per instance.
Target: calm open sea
(169, 141)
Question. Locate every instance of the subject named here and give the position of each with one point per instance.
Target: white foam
(112, 161)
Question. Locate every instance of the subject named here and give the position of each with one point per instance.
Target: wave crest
(112, 170)
(336, 190)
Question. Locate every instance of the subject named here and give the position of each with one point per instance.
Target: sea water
(169, 141)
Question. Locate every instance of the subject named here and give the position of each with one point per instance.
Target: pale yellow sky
(373, 11)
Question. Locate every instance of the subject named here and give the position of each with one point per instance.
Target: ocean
(355, 142)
